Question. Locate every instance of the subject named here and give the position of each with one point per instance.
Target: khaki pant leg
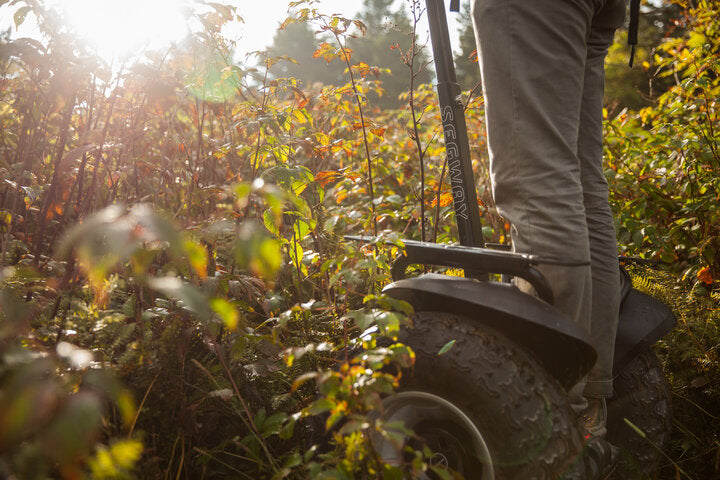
(532, 60)
(601, 229)
(542, 69)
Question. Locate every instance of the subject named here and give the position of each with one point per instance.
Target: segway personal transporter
(493, 405)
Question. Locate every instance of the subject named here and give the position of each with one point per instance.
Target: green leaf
(388, 322)
(333, 419)
(157, 228)
(272, 425)
(442, 473)
(446, 347)
(190, 296)
(79, 420)
(256, 251)
(271, 222)
(363, 318)
(390, 303)
(287, 430)
(392, 473)
(301, 228)
(260, 417)
(296, 252)
(321, 405)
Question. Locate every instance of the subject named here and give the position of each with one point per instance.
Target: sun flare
(122, 27)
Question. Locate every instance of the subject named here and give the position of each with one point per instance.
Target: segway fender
(643, 321)
(562, 346)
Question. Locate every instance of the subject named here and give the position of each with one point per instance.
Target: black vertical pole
(457, 146)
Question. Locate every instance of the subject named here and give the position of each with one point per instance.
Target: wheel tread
(506, 380)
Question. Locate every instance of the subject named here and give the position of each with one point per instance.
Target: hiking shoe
(594, 418)
(601, 458)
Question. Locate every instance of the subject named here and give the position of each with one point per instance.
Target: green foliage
(639, 87)
(219, 292)
(177, 296)
(664, 162)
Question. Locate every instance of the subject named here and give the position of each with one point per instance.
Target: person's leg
(601, 229)
(532, 60)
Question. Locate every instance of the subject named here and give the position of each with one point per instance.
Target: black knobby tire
(642, 396)
(520, 410)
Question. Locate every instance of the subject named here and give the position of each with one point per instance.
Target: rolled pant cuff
(598, 389)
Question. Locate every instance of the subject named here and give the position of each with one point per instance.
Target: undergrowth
(691, 360)
(179, 301)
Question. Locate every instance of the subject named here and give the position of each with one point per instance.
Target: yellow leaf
(227, 312)
(300, 116)
(197, 256)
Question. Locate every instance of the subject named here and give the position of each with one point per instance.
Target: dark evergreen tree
(386, 44)
(297, 42)
(387, 40)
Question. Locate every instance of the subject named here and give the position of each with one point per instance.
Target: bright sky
(262, 18)
(121, 26)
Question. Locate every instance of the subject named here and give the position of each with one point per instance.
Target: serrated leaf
(271, 223)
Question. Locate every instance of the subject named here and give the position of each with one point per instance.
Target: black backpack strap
(633, 28)
(454, 5)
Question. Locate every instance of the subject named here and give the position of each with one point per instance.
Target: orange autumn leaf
(380, 132)
(362, 68)
(325, 177)
(705, 276)
(299, 97)
(446, 199)
(341, 195)
(326, 52)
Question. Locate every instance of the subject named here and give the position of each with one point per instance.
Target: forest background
(177, 297)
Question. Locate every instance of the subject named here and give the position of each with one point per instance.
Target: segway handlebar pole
(457, 146)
